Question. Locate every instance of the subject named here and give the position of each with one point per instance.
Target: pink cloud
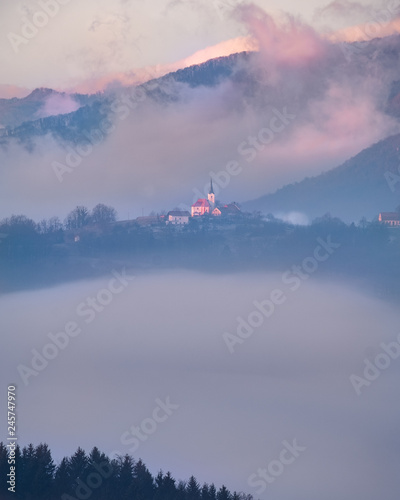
(57, 104)
(10, 91)
(283, 43)
(367, 31)
(142, 75)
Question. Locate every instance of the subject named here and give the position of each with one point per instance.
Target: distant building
(204, 206)
(230, 210)
(201, 207)
(209, 206)
(178, 217)
(391, 219)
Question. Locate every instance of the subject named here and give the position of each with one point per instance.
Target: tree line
(95, 476)
(79, 217)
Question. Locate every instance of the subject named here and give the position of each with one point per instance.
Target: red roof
(394, 216)
(201, 202)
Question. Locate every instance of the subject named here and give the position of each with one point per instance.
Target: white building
(178, 217)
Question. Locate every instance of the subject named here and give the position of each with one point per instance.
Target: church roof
(201, 202)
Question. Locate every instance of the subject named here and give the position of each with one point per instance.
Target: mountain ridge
(359, 187)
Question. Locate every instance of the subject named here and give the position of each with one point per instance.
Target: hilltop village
(202, 207)
(212, 236)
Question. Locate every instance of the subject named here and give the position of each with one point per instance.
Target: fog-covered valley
(132, 341)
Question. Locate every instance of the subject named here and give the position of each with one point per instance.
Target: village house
(391, 219)
(178, 217)
(228, 210)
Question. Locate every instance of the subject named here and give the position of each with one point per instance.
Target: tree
(165, 487)
(43, 472)
(224, 494)
(103, 214)
(212, 491)
(98, 461)
(143, 486)
(50, 226)
(62, 479)
(205, 492)
(181, 491)
(193, 491)
(27, 470)
(78, 466)
(79, 217)
(18, 224)
(125, 477)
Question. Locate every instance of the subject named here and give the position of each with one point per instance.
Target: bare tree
(103, 214)
(79, 217)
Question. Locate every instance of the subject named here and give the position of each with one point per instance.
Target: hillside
(355, 189)
(20, 118)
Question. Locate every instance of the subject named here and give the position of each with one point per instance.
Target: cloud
(295, 218)
(367, 31)
(161, 154)
(344, 9)
(56, 104)
(141, 75)
(289, 380)
(360, 22)
(10, 91)
(284, 42)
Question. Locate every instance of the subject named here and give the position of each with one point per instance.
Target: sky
(161, 157)
(232, 410)
(81, 43)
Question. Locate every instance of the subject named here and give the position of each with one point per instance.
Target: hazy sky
(161, 157)
(289, 380)
(86, 40)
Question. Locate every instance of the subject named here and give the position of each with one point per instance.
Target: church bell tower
(211, 197)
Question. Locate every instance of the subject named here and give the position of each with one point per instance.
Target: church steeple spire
(211, 195)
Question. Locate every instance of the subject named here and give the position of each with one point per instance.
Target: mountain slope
(351, 191)
(39, 103)
(20, 121)
(244, 72)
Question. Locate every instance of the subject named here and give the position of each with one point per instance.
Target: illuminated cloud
(10, 91)
(142, 75)
(57, 104)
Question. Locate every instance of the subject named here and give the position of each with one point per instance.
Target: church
(208, 206)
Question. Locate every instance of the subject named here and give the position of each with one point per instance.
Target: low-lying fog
(162, 336)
